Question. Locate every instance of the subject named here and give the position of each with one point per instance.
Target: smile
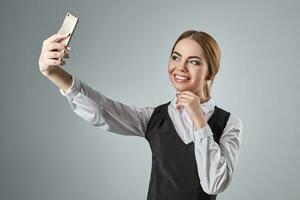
(180, 79)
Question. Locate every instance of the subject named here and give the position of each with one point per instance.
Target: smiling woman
(204, 168)
(200, 53)
(194, 143)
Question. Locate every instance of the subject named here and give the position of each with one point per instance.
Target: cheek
(197, 75)
(170, 68)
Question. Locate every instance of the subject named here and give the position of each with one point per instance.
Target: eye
(195, 62)
(174, 57)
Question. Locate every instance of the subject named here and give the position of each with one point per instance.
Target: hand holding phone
(49, 58)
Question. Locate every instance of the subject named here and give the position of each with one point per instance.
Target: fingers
(54, 46)
(52, 58)
(53, 42)
(56, 38)
(184, 96)
(56, 54)
(53, 52)
(179, 105)
(53, 62)
(188, 93)
(183, 99)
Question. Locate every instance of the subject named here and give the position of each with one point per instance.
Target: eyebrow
(188, 57)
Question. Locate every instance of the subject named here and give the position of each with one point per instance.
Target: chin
(182, 87)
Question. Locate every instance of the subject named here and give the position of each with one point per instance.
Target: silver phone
(68, 26)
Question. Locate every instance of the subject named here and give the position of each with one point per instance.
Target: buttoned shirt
(216, 163)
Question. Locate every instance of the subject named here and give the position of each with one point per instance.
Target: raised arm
(110, 115)
(89, 104)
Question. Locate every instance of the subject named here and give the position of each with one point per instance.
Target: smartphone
(68, 26)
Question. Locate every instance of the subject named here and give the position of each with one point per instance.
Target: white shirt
(216, 164)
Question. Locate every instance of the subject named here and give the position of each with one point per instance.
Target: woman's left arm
(216, 164)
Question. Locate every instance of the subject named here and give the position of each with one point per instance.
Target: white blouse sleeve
(217, 163)
(101, 111)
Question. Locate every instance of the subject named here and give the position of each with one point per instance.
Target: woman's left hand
(192, 103)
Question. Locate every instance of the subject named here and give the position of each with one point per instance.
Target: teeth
(180, 77)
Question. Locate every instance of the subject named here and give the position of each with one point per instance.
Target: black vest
(174, 174)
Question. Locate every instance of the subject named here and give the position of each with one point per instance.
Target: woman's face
(188, 63)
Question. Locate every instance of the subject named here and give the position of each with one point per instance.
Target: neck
(201, 95)
(205, 99)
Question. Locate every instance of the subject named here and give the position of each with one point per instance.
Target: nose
(182, 66)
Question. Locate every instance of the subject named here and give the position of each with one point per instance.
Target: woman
(195, 144)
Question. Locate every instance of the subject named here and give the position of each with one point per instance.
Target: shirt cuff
(202, 133)
(73, 90)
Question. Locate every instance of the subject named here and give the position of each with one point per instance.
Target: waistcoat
(174, 174)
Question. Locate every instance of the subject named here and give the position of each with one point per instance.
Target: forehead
(189, 47)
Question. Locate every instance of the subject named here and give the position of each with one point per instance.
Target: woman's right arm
(108, 114)
(89, 104)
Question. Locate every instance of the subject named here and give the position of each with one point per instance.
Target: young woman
(195, 144)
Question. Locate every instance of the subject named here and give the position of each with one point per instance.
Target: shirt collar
(206, 106)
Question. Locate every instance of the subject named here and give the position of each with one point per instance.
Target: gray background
(121, 48)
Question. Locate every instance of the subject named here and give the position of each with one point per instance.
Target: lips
(181, 77)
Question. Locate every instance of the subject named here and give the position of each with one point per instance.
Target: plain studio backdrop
(121, 48)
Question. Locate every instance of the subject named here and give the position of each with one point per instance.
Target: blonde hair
(211, 51)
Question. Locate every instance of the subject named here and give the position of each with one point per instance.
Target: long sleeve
(216, 163)
(101, 111)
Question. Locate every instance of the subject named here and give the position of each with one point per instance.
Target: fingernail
(69, 48)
